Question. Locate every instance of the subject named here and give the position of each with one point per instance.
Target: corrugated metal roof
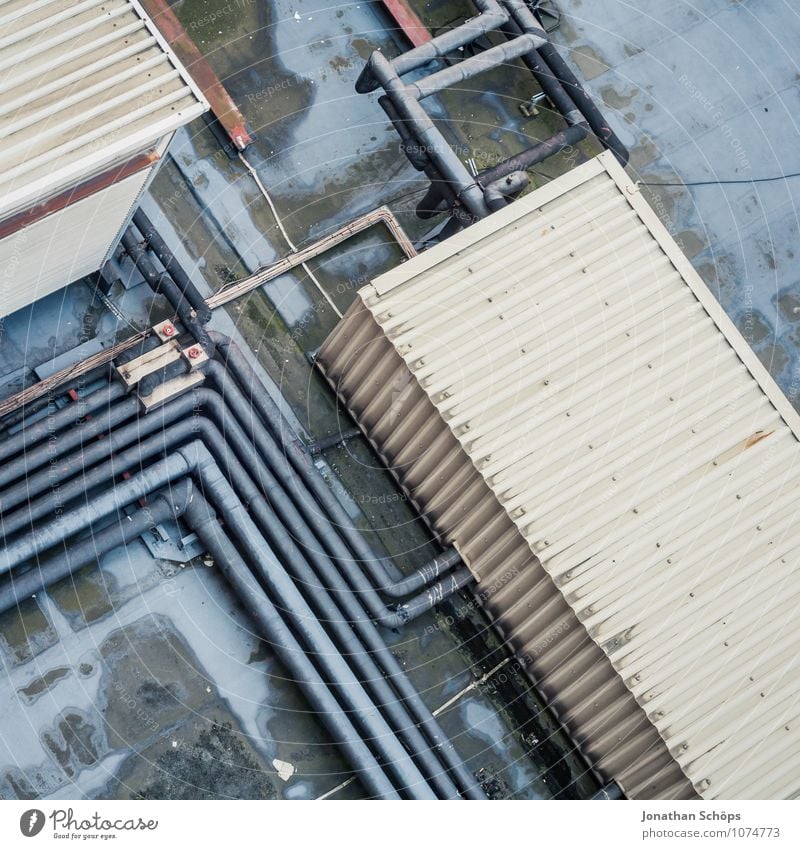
(634, 442)
(551, 645)
(82, 84)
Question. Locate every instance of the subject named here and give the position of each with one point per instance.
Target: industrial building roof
(639, 448)
(83, 86)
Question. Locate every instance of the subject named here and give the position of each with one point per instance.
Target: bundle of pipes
(287, 548)
(468, 197)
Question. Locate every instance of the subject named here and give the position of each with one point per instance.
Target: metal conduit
(297, 459)
(451, 184)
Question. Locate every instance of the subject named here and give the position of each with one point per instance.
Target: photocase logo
(31, 822)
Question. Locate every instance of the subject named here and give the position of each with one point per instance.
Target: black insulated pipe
(166, 258)
(467, 69)
(173, 503)
(490, 18)
(217, 441)
(551, 87)
(421, 577)
(595, 118)
(204, 522)
(563, 140)
(527, 22)
(137, 252)
(440, 196)
(500, 191)
(40, 454)
(195, 459)
(310, 632)
(150, 382)
(123, 530)
(609, 792)
(71, 522)
(410, 110)
(300, 461)
(229, 415)
(452, 185)
(295, 458)
(23, 416)
(192, 320)
(409, 145)
(64, 418)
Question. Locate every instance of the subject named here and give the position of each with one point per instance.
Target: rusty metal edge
(409, 22)
(221, 103)
(32, 393)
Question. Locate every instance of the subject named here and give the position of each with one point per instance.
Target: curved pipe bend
(499, 192)
(180, 420)
(165, 440)
(194, 458)
(296, 457)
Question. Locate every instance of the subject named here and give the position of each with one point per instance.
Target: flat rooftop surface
(145, 677)
(706, 91)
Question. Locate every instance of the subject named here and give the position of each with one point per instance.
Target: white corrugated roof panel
(84, 84)
(639, 446)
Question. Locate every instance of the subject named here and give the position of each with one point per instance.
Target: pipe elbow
(367, 80)
(219, 339)
(178, 496)
(396, 619)
(196, 455)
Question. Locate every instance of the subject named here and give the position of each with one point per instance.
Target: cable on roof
(723, 182)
